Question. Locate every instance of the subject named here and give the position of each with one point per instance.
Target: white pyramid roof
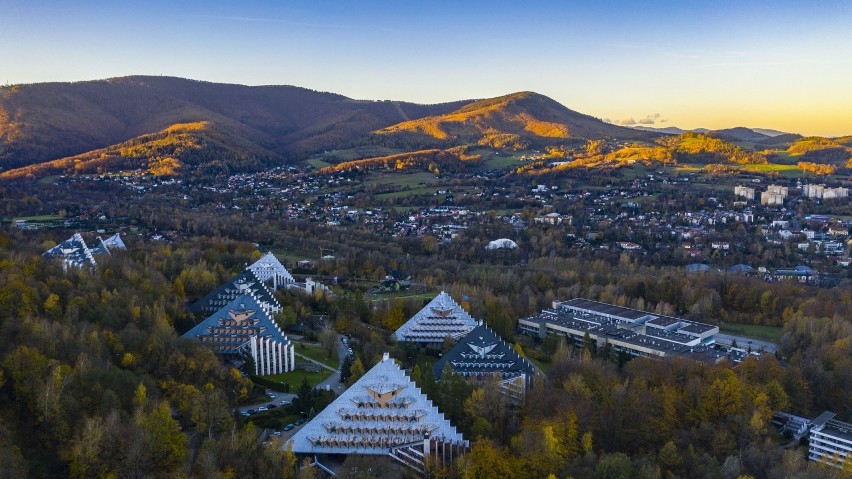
(73, 251)
(440, 318)
(382, 410)
(268, 267)
(114, 242)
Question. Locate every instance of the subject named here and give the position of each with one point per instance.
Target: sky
(785, 65)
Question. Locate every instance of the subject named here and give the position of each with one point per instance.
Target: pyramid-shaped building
(114, 242)
(482, 355)
(439, 319)
(381, 413)
(74, 253)
(268, 269)
(243, 327)
(246, 283)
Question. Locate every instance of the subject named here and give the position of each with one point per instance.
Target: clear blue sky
(780, 64)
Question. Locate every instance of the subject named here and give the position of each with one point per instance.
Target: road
(744, 342)
(279, 397)
(333, 381)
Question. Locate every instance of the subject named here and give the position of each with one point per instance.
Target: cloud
(607, 120)
(651, 119)
(627, 122)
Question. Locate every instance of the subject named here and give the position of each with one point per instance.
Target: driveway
(286, 397)
(333, 381)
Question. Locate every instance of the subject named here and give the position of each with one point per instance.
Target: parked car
(300, 422)
(288, 427)
(271, 406)
(262, 409)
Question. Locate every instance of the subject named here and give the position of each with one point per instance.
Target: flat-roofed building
(638, 333)
(744, 191)
(777, 190)
(813, 191)
(767, 198)
(833, 193)
(830, 441)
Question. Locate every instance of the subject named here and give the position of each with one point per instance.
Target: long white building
(830, 441)
(638, 333)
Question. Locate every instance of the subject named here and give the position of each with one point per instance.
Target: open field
(785, 157)
(791, 171)
(317, 163)
(317, 353)
(412, 180)
(495, 162)
(39, 218)
(543, 366)
(296, 255)
(406, 193)
(401, 295)
(768, 333)
(336, 156)
(49, 179)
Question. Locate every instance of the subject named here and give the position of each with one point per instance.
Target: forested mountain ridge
(518, 119)
(46, 121)
(196, 149)
(66, 123)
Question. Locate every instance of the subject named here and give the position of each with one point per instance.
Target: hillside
(46, 121)
(516, 120)
(198, 149)
(702, 148)
(740, 134)
(820, 150)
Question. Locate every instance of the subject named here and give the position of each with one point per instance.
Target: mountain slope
(524, 117)
(740, 133)
(197, 149)
(45, 121)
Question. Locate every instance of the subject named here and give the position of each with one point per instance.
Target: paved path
(744, 342)
(333, 381)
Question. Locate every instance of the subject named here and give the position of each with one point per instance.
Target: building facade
(269, 270)
(830, 441)
(245, 283)
(482, 355)
(442, 318)
(243, 328)
(745, 192)
(383, 413)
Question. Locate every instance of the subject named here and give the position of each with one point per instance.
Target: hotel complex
(638, 333)
(243, 328)
(440, 319)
